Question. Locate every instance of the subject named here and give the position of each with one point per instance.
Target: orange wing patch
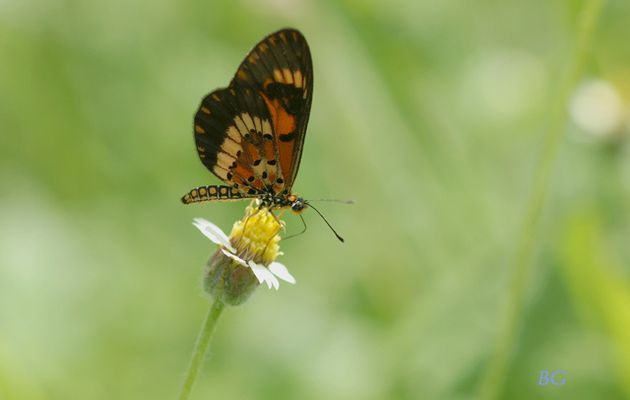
(284, 130)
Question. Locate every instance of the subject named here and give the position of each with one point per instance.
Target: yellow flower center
(255, 237)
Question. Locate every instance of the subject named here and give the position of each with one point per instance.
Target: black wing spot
(251, 179)
(288, 137)
(257, 162)
(271, 162)
(292, 97)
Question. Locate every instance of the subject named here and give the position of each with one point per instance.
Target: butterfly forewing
(280, 68)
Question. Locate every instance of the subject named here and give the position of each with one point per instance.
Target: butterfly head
(297, 203)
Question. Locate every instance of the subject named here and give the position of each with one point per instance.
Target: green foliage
(430, 115)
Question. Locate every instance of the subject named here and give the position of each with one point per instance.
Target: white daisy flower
(253, 244)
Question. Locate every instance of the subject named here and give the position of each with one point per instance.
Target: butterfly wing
(232, 133)
(280, 70)
(250, 134)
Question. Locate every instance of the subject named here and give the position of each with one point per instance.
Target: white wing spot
(220, 172)
(257, 124)
(230, 146)
(297, 76)
(277, 75)
(234, 134)
(266, 127)
(224, 160)
(288, 76)
(248, 121)
(240, 125)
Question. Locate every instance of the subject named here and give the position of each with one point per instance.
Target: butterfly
(251, 134)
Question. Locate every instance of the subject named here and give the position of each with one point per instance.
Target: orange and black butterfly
(251, 134)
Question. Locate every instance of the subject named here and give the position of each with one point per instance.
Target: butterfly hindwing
(234, 135)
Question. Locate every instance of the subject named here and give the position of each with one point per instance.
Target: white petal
(281, 272)
(263, 274)
(274, 281)
(259, 271)
(235, 258)
(213, 232)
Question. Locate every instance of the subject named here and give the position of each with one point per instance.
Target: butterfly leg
(249, 214)
(280, 227)
(280, 223)
(298, 234)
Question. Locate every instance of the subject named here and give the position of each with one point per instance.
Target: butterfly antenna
(336, 201)
(327, 223)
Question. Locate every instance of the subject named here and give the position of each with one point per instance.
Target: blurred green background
(431, 115)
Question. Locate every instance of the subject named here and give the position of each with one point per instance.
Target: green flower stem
(521, 265)
(201, 348)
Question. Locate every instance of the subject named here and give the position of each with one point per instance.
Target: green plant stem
(521, 266)
(201, 348)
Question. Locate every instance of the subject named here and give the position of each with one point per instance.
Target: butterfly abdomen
(210, 193)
